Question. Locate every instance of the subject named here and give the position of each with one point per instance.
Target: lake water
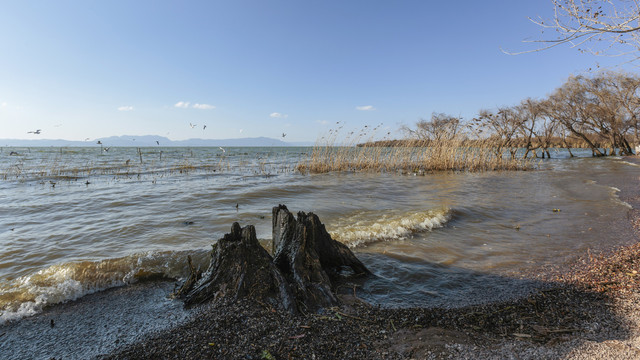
(75, 221)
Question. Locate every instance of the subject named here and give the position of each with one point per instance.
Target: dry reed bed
(412, 157)
(416, 157)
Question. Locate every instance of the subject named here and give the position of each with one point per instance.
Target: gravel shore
(589, 309)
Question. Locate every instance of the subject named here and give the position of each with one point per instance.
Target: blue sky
(90, 69)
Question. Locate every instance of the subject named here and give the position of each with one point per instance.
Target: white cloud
(125, 108)
(365, 108)
(187, 105)
(203, 106)
(278, 115)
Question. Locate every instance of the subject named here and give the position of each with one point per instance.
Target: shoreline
(585, 309)
(94, 324)
(589, 310)
(577, 319)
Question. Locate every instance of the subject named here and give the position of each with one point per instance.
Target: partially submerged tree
(503, 126)
(569, 106)
(440, 127)
(599, 112)
(529, 114)
(604, 106)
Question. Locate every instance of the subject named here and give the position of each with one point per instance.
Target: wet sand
(587, 309)
(93, 325)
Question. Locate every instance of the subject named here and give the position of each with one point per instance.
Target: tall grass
(455, 154)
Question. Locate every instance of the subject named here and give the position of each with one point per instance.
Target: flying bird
(223, 150)
(193, 125)
(283, 135)
(34, 132)
(157, 142)
(204, 127)
(106, 149)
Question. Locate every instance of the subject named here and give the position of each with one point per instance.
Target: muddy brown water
(445, 239)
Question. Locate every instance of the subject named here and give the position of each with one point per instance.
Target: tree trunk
(595, 151)
(309, 258)
(566, 145)
(625, 147)
(300, 277)
(241, 267)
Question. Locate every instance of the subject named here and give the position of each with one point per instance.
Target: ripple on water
(436, 238)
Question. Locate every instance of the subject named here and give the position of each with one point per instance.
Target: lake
(75, 221)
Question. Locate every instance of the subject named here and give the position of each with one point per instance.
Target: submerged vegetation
(599, 113)
(74, 164)
(412, 157)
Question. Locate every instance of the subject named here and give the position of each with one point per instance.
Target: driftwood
(300, 276)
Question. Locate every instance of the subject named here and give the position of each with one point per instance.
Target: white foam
(392, 227)
(616, 198)
(28, 295)
(629, 163)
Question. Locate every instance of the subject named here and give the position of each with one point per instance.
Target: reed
(137, 163)
(454, 154)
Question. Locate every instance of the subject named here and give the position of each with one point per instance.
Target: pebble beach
(588, 309)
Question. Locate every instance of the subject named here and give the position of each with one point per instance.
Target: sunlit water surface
(75, 221)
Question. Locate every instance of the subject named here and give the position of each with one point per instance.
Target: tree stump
(300, 277)
(309, 258)
(241, 267)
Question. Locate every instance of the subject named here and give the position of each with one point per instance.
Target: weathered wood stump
(241, 267)
(309, 258)
(300, 277)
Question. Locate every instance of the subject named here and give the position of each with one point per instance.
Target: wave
(363, 228)
(629, 163)
(28, 295)
(616, 198)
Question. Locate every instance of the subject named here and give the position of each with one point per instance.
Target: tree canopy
(599, 112)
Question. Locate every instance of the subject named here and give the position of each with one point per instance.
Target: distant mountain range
(151, 140)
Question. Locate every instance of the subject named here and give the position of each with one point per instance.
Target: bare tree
(613, 94)
(605, 106)
(599, 27)
(440, 127)
(547, 130)
(625, 89)
(503, 126)
(568, 106)
(528, 115)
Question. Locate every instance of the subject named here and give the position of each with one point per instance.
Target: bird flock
(106, 149)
